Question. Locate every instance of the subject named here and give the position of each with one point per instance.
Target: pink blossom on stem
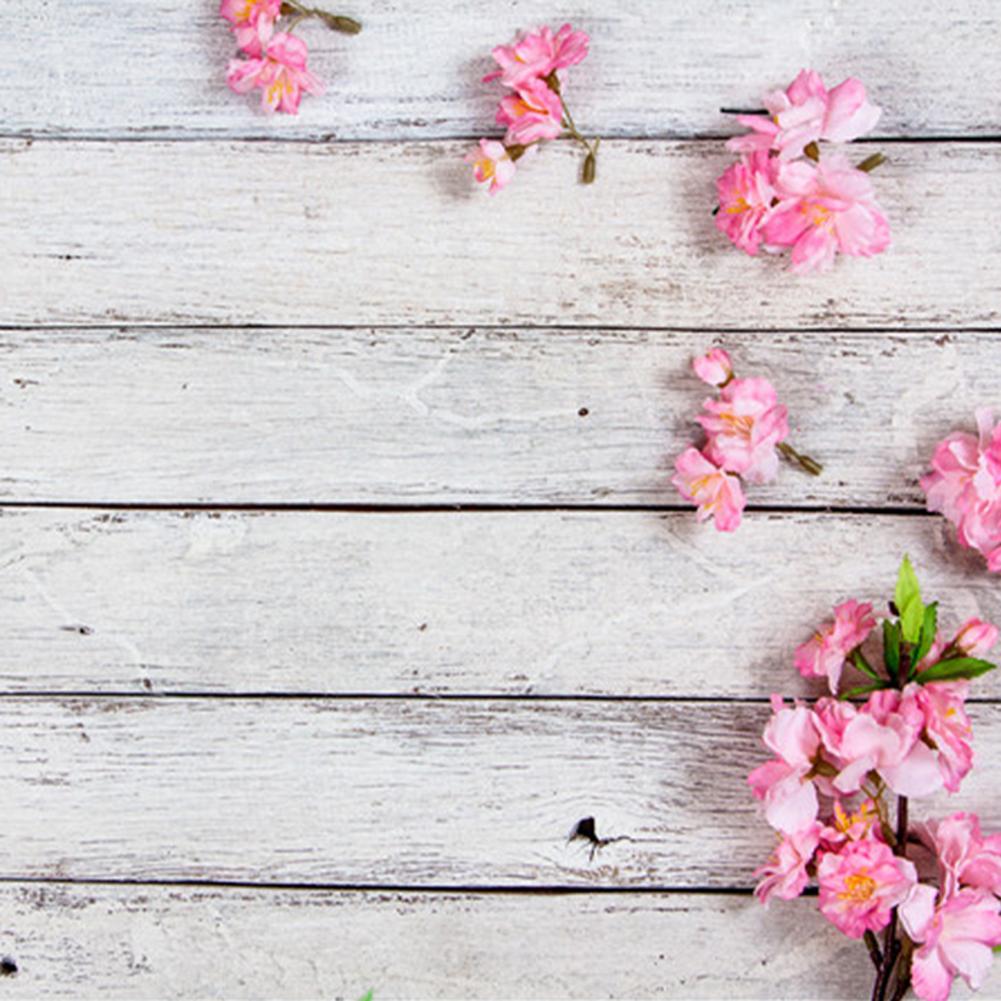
(280, 73)
(785, 874)
(784, 783)
(825, 209)
(956, 938)
(746, 191)
(744, 426)
(714, 367)
(492, 164)
(965, 486)
(825, 653)
(714, 491)
(253, 22)
(965, 856)
(538, 53)
(861, 883)
(975, 638)
(858, 826)
(530, 114)
(946, 727)
(805, 112)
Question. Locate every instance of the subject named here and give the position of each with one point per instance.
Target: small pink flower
(491, 164)
(253, 22)
(965, 856)
(824, 210)
(860, 884)
(715, 492)
(805, 112)
(975, 638)
(746, 191)
(538, 53)
(946, 727)
(280, 73)
(743, 427)
(824, 655)
(714, 367)
(784, 783)
(784, 875)
(530, 114)
(858, 826)
(965, 486)
(957, 938)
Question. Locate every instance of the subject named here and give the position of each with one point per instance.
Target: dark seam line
(445, 508)
(170, 135)
(204, 328)
(429, 888)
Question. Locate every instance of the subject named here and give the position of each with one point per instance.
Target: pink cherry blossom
(492, 165)
(716, 493)
(825, 653)
(965, 856)
(253, 22)
(280, 73)
(530, 114)
(746, 191)
(743, 427)
(784, 783)
(785, 875)
(965, 486)
(861, 883)
(824, 210)
(857, 826)
(946, 727)
(538, 53)
(714, 367)
(957, 939)
(805, 112)
(975, 638)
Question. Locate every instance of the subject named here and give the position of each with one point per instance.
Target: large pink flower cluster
(275, 61)
(745, 429)
(534, 110)
(965, 486)
(780, 195)
(835, 760)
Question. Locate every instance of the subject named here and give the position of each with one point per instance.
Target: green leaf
(854, 693)
(367, 996)
(861, 664)
(929, 627)
(891, 646)
(907, 598)
(954, 669)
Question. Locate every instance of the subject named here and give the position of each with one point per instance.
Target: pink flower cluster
(745, 428)
(965, 486)
(275, 61)
(779, 195)
(534, 110)
(823, 791)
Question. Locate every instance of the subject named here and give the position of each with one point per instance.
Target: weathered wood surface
(157, 68)
(187, 942)
(548, 603)
(271, 233)
(417, 416)
(432, 793)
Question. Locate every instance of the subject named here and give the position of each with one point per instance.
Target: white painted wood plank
(655, 69)
(266, 233)
(152, 942)
(502, 604)
(460, 415)
(397, 792)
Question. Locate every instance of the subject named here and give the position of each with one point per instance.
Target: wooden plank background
(340, 570)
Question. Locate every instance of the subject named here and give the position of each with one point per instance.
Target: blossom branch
(809, 465)
(336, 22)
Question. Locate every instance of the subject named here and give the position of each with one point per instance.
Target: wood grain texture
(416, 416)
(157, 942)
(157, 68)
(410, 793)
(269, 233)
(607, 604)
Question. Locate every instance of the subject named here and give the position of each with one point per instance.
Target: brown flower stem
(872, 944)
(590, 161)
(337, 22)
(809, 465)
(872, 162)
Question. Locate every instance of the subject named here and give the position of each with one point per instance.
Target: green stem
(337, 22)
(811, 466)
(872, 162)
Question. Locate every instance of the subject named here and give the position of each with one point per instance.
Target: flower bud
(714, 367)
(975, 637)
